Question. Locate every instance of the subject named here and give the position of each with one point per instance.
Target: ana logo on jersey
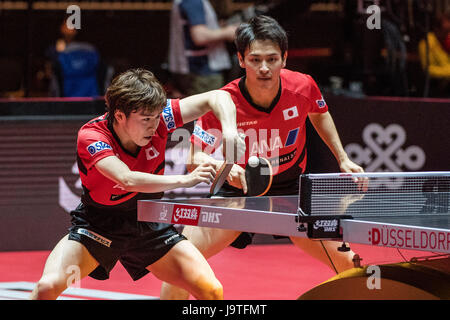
(292, 137)
(290, 113)
(98, 146)
(259, 143)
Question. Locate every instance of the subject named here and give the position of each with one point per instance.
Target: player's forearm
(198, 157)
(135, 181)
(325, 127)
(223, 107)
(217, 101)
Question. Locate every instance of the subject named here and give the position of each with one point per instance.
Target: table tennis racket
(258, 174)
(221, 177)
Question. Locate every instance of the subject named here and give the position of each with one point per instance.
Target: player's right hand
(203, 173)
(350, 167)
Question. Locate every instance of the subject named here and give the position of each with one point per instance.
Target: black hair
(133, 90)
(260, 27)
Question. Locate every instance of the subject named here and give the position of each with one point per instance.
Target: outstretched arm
(135, 181)
(217, 101)
(223, 107)
(325, 127)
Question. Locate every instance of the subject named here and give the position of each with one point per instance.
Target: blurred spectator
(396, 56)
(434, 53)
(76, 68)
(197, 52)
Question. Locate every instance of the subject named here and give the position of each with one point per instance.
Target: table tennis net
(385, 194)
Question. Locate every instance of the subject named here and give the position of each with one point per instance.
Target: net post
(305, 187)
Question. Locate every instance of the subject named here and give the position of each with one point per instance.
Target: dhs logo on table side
(327, 225)
(185, 215)
(98, 146)
(324, 228)
(211, 217)
(190, 216)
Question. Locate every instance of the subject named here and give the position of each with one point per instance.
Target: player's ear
(241, 60)
(119, 116)
(284, 59)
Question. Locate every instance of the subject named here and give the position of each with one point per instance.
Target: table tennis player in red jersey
(272, 104)
(120, 160)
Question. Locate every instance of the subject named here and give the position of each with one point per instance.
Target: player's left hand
(236, 178)
(349, 166)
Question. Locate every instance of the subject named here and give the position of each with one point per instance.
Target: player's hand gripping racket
(258, 175)
(220, 178)
(225, 168)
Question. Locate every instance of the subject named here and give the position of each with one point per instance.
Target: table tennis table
(398, 210)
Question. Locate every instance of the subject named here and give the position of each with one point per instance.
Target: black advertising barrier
(25, 107)
(387, 134)
(36, 155)
(39, 182)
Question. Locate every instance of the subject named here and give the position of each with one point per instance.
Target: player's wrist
(233, 144)
(215, 163)
(229, 131)
(186, 181)
(342, 158)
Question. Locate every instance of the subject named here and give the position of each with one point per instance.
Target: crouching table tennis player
(121, 159)
(272, 106)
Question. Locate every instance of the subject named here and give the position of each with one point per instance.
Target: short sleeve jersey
(277, 133)
(97, 140)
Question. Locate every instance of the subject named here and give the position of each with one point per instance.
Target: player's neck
(262, 97)
(124, 139)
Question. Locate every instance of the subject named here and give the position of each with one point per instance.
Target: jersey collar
(249, 99)
(116, 137)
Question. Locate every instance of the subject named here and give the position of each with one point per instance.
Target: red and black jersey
(97, 140)
(277, 133)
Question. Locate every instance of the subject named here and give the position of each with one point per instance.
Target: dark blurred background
(327, 39)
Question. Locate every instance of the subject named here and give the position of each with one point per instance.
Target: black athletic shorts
(112, 236)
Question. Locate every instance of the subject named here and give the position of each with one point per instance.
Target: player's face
(262, 63)
(140, 126)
